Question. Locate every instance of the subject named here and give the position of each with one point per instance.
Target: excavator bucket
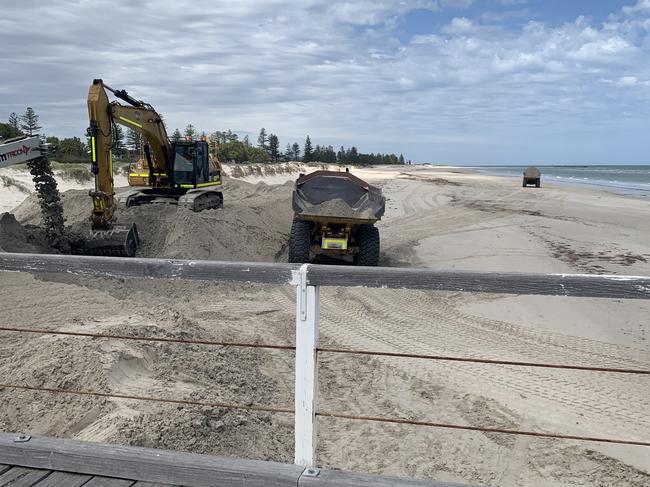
(117, 242)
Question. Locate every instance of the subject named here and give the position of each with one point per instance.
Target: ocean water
(625, 180)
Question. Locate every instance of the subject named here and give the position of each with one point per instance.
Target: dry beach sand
(442, 218)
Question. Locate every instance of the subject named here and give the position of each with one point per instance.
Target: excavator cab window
(184, 164)
(202, 163)
(191, 163)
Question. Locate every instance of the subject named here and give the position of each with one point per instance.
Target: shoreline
(629, 190)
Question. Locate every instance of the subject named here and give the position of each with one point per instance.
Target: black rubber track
(299, 242)
(368, 242)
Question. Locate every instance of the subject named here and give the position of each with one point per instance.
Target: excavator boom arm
(103, 116)
(147, 121)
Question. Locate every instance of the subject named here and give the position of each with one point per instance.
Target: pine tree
(288, 152)
(14, 121)
(176, 136)
(262, 140)
(29, 121)
(295, 149)
(134, 140)
(340, 155)
(247, 141)
(274, 147)
(401, 158)
(308, 151)
(354, 155)
(190, 131)
(118, 141)
(231, 136)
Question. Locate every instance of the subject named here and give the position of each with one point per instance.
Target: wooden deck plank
(60, 479)
(22, 477)
(108, 482)
(4, 468)
(152, 484)
(127, 462)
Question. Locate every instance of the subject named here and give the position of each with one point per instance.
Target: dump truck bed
(332, 196)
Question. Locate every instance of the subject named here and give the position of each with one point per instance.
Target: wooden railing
(307, 280)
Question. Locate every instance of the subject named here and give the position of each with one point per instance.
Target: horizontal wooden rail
(579, 285)
(124, 267)
(582, 285)
(170, 467)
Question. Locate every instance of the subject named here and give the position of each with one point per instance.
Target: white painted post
(307, 317)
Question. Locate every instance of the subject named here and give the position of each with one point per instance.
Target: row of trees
(71, 149)
(25, 124)
(227, 146)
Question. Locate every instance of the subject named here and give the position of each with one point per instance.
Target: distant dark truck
(334, 215)
(532, 176)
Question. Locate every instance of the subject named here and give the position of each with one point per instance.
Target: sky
(443, 81)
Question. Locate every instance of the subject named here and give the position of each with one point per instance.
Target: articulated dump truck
(335, 215)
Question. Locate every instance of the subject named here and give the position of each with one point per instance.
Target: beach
(437, 217)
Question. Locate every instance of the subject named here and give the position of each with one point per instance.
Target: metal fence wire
(307, 280)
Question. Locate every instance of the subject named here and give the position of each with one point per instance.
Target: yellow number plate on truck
(335, 244)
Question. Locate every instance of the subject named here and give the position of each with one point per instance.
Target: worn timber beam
(206, 270)
(583, 285)
(146, 464)
(169, 467)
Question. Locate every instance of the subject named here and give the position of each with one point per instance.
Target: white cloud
(334, 69)
(640, 6)
(459, 25)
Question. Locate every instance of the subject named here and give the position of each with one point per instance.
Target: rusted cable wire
(322, 414)
(327, 414)
(328, 350)
(480, 428)
(486, 361)
(107, 395)
(146, 339)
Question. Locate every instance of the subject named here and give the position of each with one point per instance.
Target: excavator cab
(192, 167)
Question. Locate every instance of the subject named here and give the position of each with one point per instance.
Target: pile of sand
(340, 209)
(253, 224)
(14, 237)
(261, 170)
(164, 370)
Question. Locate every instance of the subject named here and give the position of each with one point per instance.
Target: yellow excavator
(179, 172)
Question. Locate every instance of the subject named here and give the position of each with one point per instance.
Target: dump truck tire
(299, 242)
(368, 242)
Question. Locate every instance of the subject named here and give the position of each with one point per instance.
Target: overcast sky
(446, 81)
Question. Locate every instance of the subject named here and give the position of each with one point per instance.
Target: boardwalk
(36, 477)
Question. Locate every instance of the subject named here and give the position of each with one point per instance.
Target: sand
(443, 218)
(338, 208)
